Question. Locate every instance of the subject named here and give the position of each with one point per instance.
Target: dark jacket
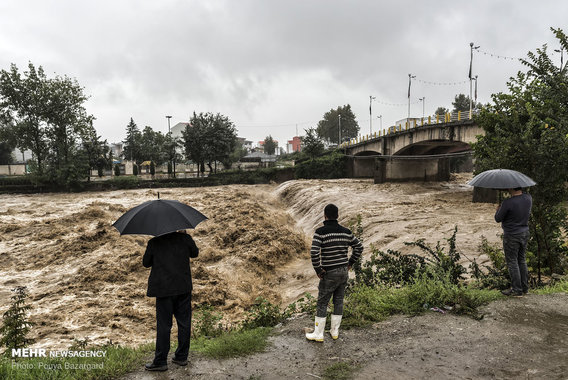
(168, 255)
(514, 214)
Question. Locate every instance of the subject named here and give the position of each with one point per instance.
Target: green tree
(15, 324)
(210, 138)
(441, 111)
(95, 150)
(49, 119)
(461, 103)
(526, 130)
(153, 146)
(328, 127)
(132, 144)
(312, 144)
(269, 145)
(23, 99)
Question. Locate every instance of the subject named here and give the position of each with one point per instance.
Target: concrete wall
(404, 170)
(17, 169)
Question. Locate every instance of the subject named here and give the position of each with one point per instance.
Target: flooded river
(86, 281)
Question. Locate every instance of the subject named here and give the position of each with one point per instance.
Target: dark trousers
(332, 284)
(166, 307)
(515, 254)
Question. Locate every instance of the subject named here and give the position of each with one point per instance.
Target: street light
(381, 118)
(173, 158)
(410, 76)
(423, 100)
(371, 114)
(471, 48)
(339, 142)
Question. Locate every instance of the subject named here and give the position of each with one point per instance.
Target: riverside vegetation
(388, 283)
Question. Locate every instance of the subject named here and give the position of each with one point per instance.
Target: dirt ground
(86, 281)
(518, 338)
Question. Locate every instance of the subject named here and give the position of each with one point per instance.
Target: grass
(339, 371)
(233, 344)
(372, 304)
(118, 361)
(558, 287)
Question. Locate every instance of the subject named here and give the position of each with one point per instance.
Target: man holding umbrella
(513, 214)
(170, 282)
(168, 255)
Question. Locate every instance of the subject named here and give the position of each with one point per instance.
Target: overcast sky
(272, 66)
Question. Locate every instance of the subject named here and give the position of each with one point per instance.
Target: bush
(330, 165)
(495, 275)
(15, 324)
(117, 170)
(262, 314)
(207, 322)
(134, 169)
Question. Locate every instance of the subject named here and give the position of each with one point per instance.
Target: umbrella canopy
(501, 179)
(158, 217)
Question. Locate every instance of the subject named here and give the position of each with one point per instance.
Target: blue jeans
(332, 284)
(515, 254)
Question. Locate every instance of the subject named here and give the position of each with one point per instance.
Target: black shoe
(511, 293)
(179, 362)
(154, 367)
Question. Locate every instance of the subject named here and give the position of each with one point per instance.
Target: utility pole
(471, 49)
(410, 76)
(371, 114)
(339, 142)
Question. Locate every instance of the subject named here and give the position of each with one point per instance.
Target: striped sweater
(330, 247)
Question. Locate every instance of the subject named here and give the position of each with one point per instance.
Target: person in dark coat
(513, 214)
(170, 282)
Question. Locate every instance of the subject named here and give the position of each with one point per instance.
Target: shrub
(207, 322)
(16, 326)
(117, 170)
(327, 166)
(495, 275)
(262, 314)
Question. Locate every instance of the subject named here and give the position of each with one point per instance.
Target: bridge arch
(367, 153)
(431, 147)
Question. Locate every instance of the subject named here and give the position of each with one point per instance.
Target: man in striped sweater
(331, 262)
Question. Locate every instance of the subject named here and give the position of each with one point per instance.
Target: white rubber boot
(335, 322)
(319, 326)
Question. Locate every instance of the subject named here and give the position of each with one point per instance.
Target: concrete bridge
(415, 152)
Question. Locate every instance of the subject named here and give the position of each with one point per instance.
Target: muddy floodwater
(86, 281)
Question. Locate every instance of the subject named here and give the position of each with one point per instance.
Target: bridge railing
(410, 124)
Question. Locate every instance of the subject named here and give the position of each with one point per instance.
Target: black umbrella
(158, 217)
(501, 179)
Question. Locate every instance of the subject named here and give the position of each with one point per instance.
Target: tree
(461, 103)
(96, 151)
(153, 146)
(527, 130)
(441, 111)
(328, 127)
(16, 326)
(312, 144)
(269, 145)
(49, 119)
(132, 144)
(23, 100)
(209, 138)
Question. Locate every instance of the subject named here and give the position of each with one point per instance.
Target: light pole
(410, 76)
(381, 118)
(171, 163)
(339, 142)
(371, 114)
(423, 100)
(471, 49)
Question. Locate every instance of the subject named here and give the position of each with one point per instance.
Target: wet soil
(518, 338)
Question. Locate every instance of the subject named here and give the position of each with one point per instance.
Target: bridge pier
(398, 169)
